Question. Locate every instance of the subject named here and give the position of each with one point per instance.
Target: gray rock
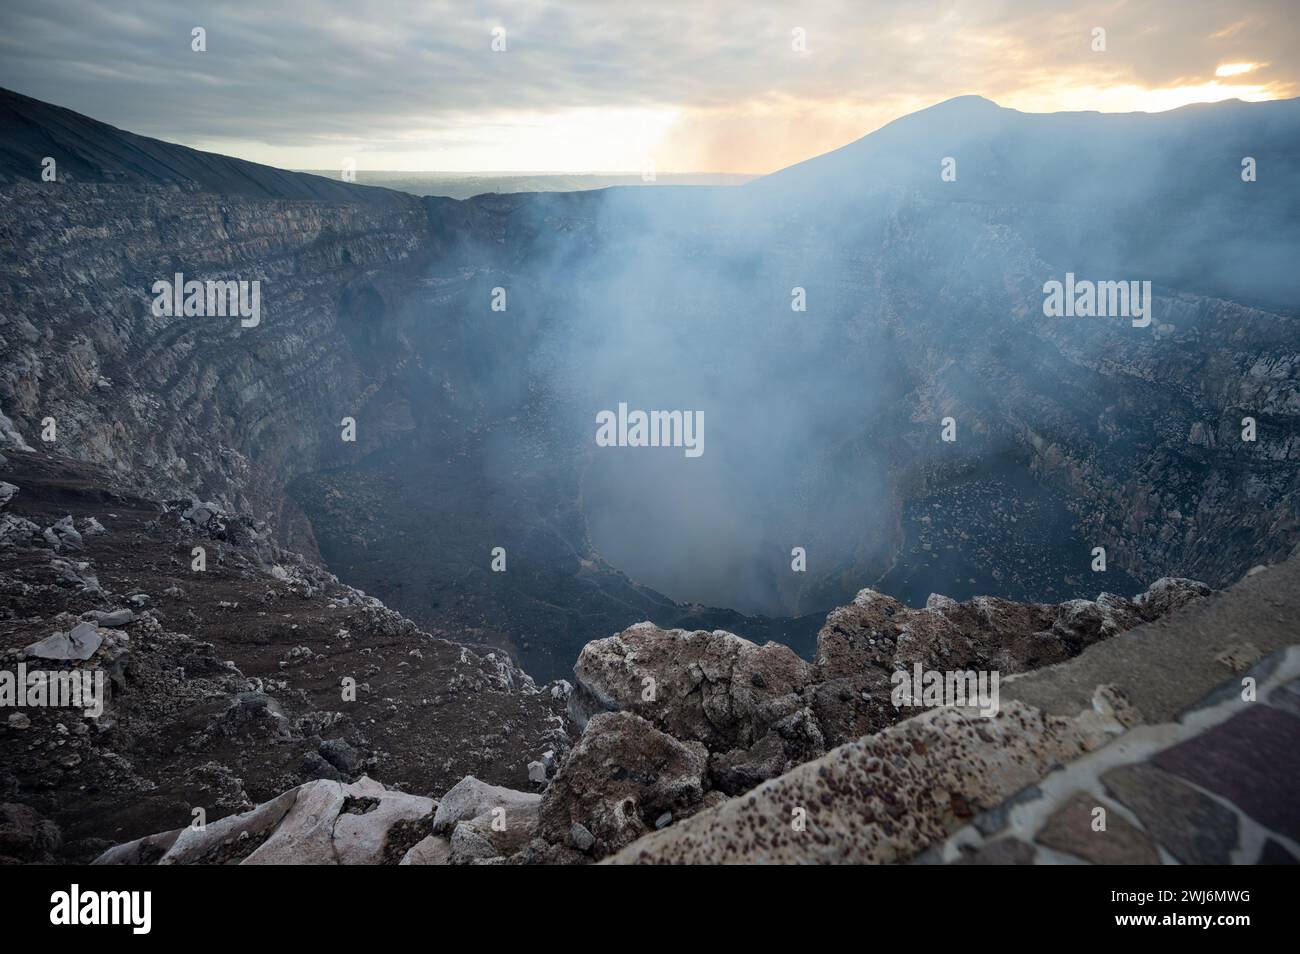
(63, 535)
(203, 514)
(7, 491)
(315, 767)
(536, 772)
(709, 687)
(469, 799)
(1168, 594)
(120, 617)
(143, 851)
(17, 530)
(621, 776)
(78, 574)
(253, 712)
(320, 822)
(469, 844)
(341, 755)
(580, 837)
(77, 645)
(502, 831)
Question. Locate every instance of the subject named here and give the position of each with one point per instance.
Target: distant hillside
(1160, 194)
(87, 150)
(465, 186)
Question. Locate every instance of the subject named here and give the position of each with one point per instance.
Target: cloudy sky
(694, 86)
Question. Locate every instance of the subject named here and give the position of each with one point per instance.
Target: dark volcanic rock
(620, 777)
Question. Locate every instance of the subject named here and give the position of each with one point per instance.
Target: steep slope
(86, 150)
(226, 684)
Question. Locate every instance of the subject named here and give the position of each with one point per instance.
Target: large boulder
(496, 834)
(708, 687)
(619, 782)
(470, 799)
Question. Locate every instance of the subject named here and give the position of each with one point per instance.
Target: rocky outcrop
(362, 823)
(92, 376)
(469, 799)
(623, 779)
(760, 710)
(864, 643)
(1144, 718)
(886, 796)
(746, 703)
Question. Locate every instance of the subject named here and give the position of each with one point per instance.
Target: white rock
(469, 798)
(433, 850)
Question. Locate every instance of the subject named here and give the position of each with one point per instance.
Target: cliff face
(201, 404)
(1141, 430)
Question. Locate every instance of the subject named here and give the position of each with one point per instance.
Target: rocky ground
(227, 695)
(226, 685)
